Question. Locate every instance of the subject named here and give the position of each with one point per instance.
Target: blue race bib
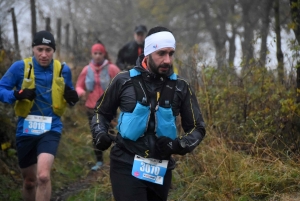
(149, 169)
(36, 125)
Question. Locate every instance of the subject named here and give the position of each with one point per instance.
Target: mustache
(165, 66)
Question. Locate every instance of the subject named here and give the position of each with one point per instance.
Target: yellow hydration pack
(23, 107)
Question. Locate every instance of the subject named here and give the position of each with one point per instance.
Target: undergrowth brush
(214, 171)
(250, 152)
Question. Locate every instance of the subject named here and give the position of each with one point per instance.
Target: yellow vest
(23, 107)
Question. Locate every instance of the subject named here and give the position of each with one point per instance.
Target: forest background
(241, 58)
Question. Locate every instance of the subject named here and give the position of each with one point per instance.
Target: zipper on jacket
(145, 96)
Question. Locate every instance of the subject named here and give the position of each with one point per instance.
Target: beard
(163, 69)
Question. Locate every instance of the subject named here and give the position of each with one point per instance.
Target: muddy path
(65, 192)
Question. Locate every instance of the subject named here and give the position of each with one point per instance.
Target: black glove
(166, 146)
(25, 94)
(103, 141)
(70, 95)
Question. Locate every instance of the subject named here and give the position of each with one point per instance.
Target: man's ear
(146, 59)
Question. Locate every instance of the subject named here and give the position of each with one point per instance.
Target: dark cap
(140, 28)
(44, 38)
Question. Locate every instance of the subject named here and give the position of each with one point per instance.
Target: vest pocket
(58, 101)
(166, 125)
(23, 107)
(133, 125)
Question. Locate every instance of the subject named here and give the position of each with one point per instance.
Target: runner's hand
(70, 96)
(102, 141)
(166, 146)
(25, 94)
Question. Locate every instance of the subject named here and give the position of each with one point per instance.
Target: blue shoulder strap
(173, 76)
(167, 92)
(133, 72)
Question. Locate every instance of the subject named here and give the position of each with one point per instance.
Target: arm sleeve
(12, 78)
(67, 74)
(106, 107)
(120, 59)
(80, 84)
(192, 121)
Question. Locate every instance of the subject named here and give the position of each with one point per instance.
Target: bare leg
(44, 164)
(29, 183)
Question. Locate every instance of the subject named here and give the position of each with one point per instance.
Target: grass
(75, 153)
(223, 174)
(212, 172)
(215, 172)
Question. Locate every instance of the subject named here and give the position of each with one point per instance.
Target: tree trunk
(33, 17)
(58, 37)
(298, 83)
(295, 13)
(279, 53)
(247, 47)
(231, 40)
(218, 36)
(48, 22)
(267, 5)
(232, 49)
(16, 38)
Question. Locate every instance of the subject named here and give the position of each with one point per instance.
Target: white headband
(158, 41)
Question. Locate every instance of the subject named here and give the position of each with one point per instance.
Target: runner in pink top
(92, 82)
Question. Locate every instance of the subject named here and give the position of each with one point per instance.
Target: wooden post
(58, 37)
(1, 42)
(16, 38)
(75, 47)
(33, 17)
(48, 21)
(67, 32)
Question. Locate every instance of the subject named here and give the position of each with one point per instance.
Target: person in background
(150, 97)
(41, 88)
(92, 82)
(128, 54)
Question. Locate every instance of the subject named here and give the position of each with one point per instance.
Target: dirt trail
(74, 188)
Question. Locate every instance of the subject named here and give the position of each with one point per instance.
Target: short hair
(157, 29)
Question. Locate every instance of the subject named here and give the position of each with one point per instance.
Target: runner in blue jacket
(43, 92)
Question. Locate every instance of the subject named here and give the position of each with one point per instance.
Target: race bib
(149, 169)
(36, 125)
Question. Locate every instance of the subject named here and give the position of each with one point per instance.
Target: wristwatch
(182, 143)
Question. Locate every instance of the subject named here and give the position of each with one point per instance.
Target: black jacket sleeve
(107, 105)
(120, 59)
(191, 117)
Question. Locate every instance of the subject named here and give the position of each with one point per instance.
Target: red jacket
(92, 97)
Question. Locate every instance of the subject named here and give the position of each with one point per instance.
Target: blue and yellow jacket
(43, 83)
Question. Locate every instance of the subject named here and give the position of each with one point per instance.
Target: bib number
(36, 125)
(149, 169)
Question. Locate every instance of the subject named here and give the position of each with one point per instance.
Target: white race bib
(149, 169)
(36, 125)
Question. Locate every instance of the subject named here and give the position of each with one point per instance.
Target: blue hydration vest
(132, 125)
